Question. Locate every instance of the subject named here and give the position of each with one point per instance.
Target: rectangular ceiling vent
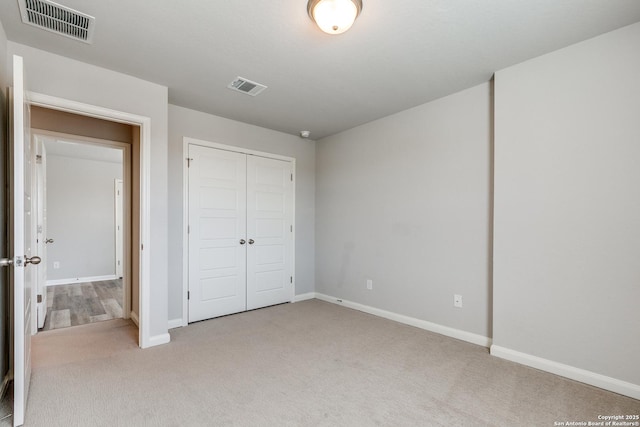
(243, 85)
(59, 19)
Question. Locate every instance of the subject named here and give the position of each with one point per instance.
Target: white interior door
(22, 274)
(269, 232)
(217, 226)
(41, 229)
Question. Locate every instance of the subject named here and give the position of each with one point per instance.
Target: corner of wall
(156, 340)
(414, 216)
(566, 207)
(567, 371)
(411, 321)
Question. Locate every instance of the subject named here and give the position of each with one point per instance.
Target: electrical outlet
(457, 301)
(56, 265)
(370, 284)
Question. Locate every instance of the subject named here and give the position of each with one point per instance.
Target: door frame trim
(66, 105)
(120, 214)
(38, 204)
(186, 141)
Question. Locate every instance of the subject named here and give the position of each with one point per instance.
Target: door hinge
(189, 160)
(291, 279)
(188, 295)
(188, 229)
(39, 299)
(292, 228)
(291, 177)
(142, 247)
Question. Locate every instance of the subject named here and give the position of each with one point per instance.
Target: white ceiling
(399, 53)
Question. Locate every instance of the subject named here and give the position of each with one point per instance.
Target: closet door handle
(242, 241)
(251, 242)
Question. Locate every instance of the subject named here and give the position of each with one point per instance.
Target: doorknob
(242, 241)
(49, 241)
(251, 241)
(35, 260)
(6, 262)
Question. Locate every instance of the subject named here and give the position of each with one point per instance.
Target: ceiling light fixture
(334, 16)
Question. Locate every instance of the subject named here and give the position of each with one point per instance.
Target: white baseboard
(567, 371)
(158, 340)
(412, 321)
(304, 297)
(80, 280)
(175, 323)
(135, 319)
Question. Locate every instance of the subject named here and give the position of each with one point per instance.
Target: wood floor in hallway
(82, 303)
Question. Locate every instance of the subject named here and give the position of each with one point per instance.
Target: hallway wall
(81, 217)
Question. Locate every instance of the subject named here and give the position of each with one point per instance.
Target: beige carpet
(305, 364)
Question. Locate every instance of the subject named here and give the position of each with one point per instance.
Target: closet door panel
(217, 223)
(269, 232)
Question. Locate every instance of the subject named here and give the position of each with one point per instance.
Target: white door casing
(239, 233)
(41, 228)
(21, 277)
(119, 227)
(142, 253)
(217, 241)
(269, 231)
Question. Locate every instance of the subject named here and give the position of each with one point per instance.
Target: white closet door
(217, 221)
(269, 232)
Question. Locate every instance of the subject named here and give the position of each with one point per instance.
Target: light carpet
(306, 364)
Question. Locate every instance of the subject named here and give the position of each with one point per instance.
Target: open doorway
(87, 187)
(77, 217)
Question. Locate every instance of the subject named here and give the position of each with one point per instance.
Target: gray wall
(66, 78)
(184, 122)
(405, 201)
(81, 216)
(567, 206)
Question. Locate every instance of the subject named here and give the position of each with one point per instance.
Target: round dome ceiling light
(334, 16)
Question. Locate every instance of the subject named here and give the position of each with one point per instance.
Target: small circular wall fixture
(334, 16)
(305, 134)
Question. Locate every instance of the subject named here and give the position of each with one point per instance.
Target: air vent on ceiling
(243, 85)
(56, 18)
